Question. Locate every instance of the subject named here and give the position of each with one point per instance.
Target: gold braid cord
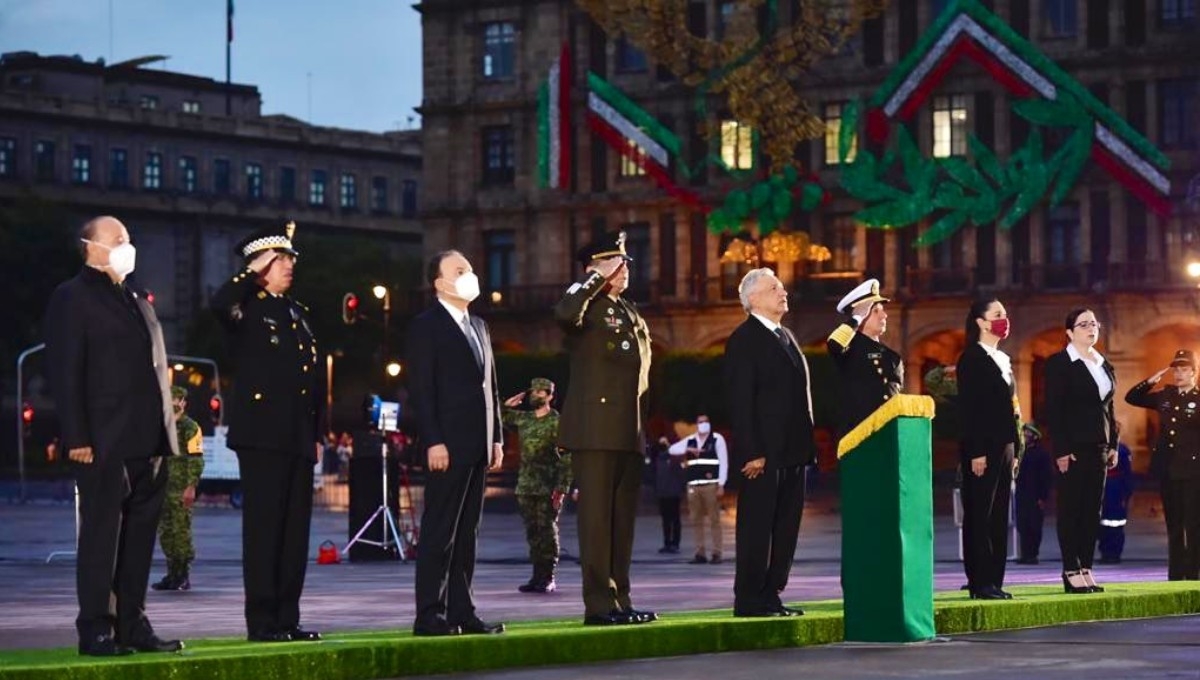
(759, 75)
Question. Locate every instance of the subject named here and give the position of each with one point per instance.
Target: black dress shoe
(757, 613)
(614, 618)
(436, 629)
(790, 611)
(153, 643)
(1027, 560)
(987, 593)
(698, 559)
(1004, 593)
(638, 616)
(268, 636)
(103, 645)
(715, 559)
(298, 634)
(478, 626)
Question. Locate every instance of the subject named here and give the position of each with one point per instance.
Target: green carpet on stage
(389, 654)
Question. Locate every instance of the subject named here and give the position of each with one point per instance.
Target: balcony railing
(1056, 278)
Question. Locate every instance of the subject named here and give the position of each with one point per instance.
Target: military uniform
(544, 474)
(871, 372)
(175, 526)
(274, 426)
(601, 425)
(1176, 464)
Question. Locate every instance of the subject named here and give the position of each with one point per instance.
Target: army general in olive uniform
(871, 372)
(1176, 460)
(601, 425)
(274, 427)
(183, 474)
(542, 482)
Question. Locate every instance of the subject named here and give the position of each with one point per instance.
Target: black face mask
(537, 402)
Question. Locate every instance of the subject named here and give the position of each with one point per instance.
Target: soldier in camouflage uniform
(544, 479)
(183, 474)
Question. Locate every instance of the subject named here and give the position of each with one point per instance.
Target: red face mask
(999, 328)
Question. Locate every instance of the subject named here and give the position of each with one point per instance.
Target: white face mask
(121, 259)
(467, 286)
(704, 428)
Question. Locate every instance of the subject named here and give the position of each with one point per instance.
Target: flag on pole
(229, 21)
(554, 124)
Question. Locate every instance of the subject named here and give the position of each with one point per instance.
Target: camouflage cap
(178, 392)
(541, 384)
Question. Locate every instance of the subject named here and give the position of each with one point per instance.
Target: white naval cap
(867, 291)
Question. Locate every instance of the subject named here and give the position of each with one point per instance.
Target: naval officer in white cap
(871, 372)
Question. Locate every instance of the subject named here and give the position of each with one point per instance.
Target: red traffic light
(349, 308)
(352, 301)
(27, 413)
(214, 404)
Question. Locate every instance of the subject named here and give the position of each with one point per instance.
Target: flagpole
(228, 57)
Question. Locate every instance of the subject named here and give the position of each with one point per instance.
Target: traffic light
(349, 308)
(26, 419)
(214, 409)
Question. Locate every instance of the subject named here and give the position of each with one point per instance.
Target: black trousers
(1181, 510)
(449, 537)
(609, 482)
(769, 509)
(672, 527)
(985, 523)
(1030, 519)
(1080, 494)
(277, 490)
(120, 501)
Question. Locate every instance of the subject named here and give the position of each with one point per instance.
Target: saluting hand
(82, 454)
(515, 400)
(1158, 376)
(261, 261)
(439, 458)
(979, 466)
(754, 468)
(608, 268)
(1064, 462)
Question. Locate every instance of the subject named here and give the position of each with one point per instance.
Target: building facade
(158, 150)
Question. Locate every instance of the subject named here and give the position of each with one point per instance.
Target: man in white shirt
(707, 464)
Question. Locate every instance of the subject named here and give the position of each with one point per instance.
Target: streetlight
(1193, 269)
(382, 292)
(393, 369)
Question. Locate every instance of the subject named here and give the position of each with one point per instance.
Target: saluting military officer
(543, 480)
(601, 425)
(183, 474)
(274, 428)
(1176, 460)
(871, 372)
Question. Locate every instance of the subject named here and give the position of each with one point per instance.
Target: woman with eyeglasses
(987, 391)
(1080, 385)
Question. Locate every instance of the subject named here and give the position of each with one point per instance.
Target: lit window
(148, 102)
(631, 166)
(81, 165)
(254, 181)
(349, 192)
(1177, 113)
(737, 145)
(629, 58)
(152, 172)
(833, 130)
(8, 153)
(1177, 12)
(191, 106)
(949, 126)
(316, 188)
(187, 174)
(498, 155)
(1059, 18)
(499, 49)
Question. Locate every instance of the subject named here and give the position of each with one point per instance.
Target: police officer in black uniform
(871, 372)
(1176, 460)
(601, 424)
(274, 428)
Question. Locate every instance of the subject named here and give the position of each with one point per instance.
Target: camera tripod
(391, 536)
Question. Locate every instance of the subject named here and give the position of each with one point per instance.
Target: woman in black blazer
(986, 391)
(1080, 385)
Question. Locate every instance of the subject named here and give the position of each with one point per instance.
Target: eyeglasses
(1088, 324)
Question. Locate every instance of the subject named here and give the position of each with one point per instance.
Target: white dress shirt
(1095, 366)
(1002, 360)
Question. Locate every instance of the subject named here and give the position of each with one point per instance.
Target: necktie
(472, 340)
(793, 354)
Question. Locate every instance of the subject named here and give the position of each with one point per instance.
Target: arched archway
(1032, 357)
(940, 348)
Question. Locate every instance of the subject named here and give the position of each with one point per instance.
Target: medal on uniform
(625, 344)
(274, 339)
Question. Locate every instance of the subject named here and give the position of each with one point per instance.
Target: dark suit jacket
(770, 399)
(455, 402)
(108, 370)
(870, 373)
(1075, 413)
(986, 402)
(278, 403)
(609, 345)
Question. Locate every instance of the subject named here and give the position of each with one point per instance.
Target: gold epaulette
(842, 335)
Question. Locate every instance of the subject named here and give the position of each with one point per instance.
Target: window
(316, 188)
(833, 130)
(349, 192)
(187, 174)
(725, 12)
(118, 168)
(1062, 235)
(499, 250)
(191, 106)
(81, 165)
(1059, 18)
(1176, 13)
(840, 238)
(152, 171)
(148, 102)
(43, 161)
(637, 245)
(949, 126)
(221, 177)
(498, 151)
(8, 156)
(287, 184)
(629, 58)
(632, 165)
(408, 198)
(254, 181)
(737, 145)
(1178, 113)
(499, 50)
(379, 197)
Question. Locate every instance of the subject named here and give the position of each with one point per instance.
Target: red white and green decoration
(985, 188)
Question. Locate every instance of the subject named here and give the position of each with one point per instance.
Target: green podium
(886, 471)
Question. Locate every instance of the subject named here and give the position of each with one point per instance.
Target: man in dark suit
(770, 405)
(275, 428)
(452, 380)
(108, 373)
(601, 425)
(870, 371)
